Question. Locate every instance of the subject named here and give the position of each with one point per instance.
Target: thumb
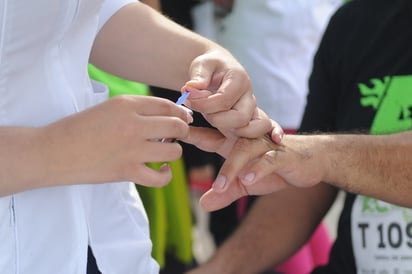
(200, 74)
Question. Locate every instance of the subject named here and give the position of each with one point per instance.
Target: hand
(258, 166)
(113, 141)
(232, 147)
(221, 90)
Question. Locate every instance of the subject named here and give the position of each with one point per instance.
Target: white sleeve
(109, 8)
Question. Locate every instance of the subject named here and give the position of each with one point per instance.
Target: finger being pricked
(210, 140)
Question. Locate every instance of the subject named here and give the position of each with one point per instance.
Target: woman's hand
(113, 141)
(220, 89)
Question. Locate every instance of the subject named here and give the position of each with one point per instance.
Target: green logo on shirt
(391, 97)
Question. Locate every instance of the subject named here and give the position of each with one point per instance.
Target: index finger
(155, 106)
(230, 83)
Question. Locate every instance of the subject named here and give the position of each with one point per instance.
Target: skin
(256, 246)
(293, 174)
(220, 88)
(94, 146)
(153, 3)
(219, 85)
(373, 165)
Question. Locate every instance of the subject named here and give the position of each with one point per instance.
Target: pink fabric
(199, 185)
(314, 253)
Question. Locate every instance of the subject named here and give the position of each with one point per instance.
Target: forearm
(106, 143)
(147, 47)
(277, 225)
(40, 157)
(153, 3)
(22, 161)
(376, 166)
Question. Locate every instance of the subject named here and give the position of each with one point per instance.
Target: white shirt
(275, 41)
(44, 51)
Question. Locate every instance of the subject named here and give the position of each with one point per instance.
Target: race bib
(381, 237)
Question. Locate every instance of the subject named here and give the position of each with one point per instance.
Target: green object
(168, 208)
(118, 86)
(169, 212)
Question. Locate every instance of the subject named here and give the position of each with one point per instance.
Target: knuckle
(270, 157)
(120, 100)
(167, 104)
(127, 129)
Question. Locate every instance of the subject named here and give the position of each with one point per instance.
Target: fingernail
(220, 182)
(279, 133)
(248, 178)
(189, 118)
(189, 112)
(164, 167)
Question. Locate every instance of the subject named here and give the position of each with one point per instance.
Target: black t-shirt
(362, 82)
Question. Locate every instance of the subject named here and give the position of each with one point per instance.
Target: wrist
(331, 151)
(24, 167)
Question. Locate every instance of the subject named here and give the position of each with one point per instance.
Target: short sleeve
(109, 8)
